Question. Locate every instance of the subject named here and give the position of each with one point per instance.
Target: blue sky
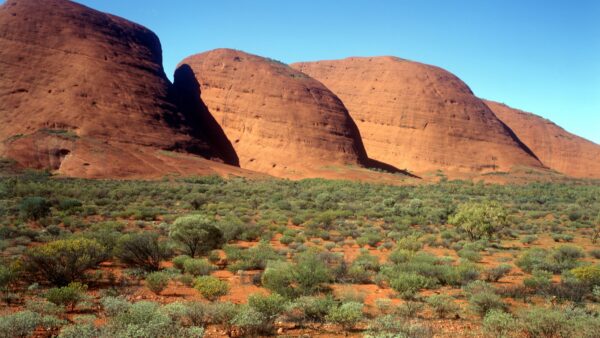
(539, 56)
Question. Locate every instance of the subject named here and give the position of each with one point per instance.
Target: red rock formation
(77, 83)
(420, 117)
(554, 146)
(279, 120)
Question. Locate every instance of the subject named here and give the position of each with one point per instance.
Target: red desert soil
(84, 93)
(420, 117)
(279, 121)
(554, 146)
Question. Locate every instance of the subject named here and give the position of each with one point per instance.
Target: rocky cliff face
(420, 117)
(554, 146)
(76, 81)
(277, 119)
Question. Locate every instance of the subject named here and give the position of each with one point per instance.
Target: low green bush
(24, 323)
(79, 331)
(494, 274)
(499, 324)
(67, 295)
(157, 281)
(408, 284)
(443, 305)
(347, 315)
(211, 287)
(589, 274)
(198, 267)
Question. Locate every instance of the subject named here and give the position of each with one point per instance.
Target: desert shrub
(408, 284)
(357, 274)
(310, 273)
(249, 321)
(223, 313)
(409, 309)
(540, 280)
(390, 326)
(8, 275)
(348, 293)
(178, 261)
(211, 287)
(64, 261)
(462, 274)
(479, 219)
(595, 253)
(198, 267)
(23, 324)
(410, 243)
(68, 295)
(305, 277)
(545, 323)
(147, 319)
(44, 307)
(529, 239)
(157, 281)
(309, 309)
(113, 306)
(34, 208)
(470, 255)
(86, 330)
(499, 324)
(346, 315)
(400, 256)
(565, 257)
(269, 306)
(197, 235)
(69, 204)
(484, 302)
(384, 305)
(142, 250)
(255, 258)
(494, 274)
(589, 274)
(442, 305)
(278, 277)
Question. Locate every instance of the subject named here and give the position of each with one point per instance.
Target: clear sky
(539, 56)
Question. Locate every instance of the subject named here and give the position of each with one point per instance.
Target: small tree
(479, 219)
(67, 295)
(142, 250)
(64, 261)
(196, 234)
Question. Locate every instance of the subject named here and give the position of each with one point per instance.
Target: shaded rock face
(420, 117)
(555, 147)
(278, 120)
(75, 79)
